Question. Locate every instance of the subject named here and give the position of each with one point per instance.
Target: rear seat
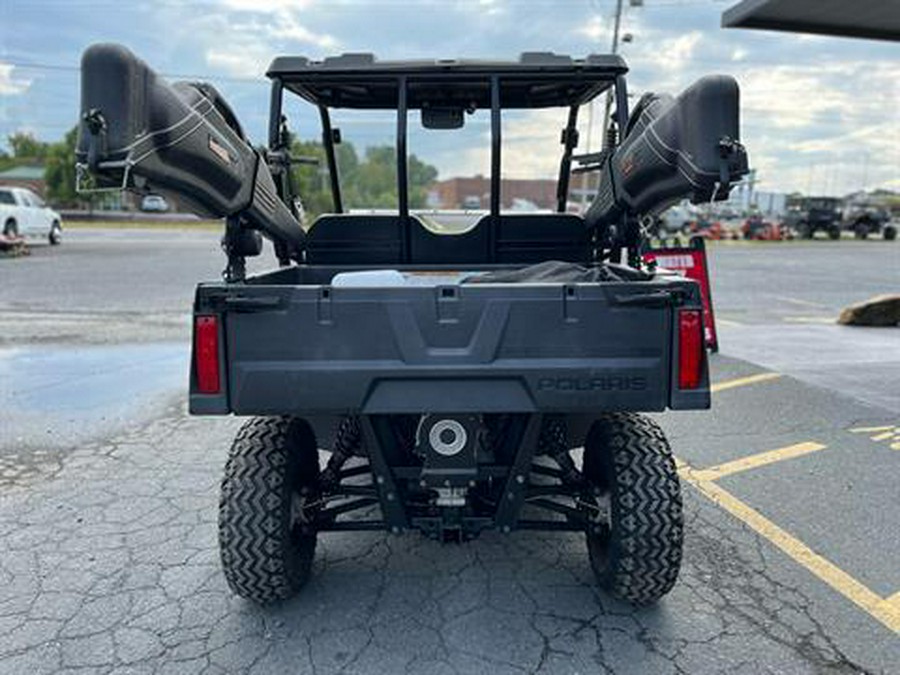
(536, 237)
(364, 239)
(470, 247)
(355, 239)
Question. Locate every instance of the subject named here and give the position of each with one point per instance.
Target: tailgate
(463, 348)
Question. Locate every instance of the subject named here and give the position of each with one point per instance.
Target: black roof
(874, 19)
(536, 80)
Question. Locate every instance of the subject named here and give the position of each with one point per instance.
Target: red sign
(690, 261)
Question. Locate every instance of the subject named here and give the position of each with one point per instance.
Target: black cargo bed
(294, 344)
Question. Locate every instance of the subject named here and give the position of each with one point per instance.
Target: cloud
(807, 101)
(255, 36)
(9, 84)
(827, 128)
(287, 27)
(674, 53)
(267, 6)
(531, 147)
(593, 30)
(244, 63)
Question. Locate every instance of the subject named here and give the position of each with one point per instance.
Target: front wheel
(890, 233)
(11, 229)
(55, 236)
(271, 478)
(636, 553)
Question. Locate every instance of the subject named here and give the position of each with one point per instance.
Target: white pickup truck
(24, 214)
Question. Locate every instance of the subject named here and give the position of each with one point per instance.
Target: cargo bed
(296, 344)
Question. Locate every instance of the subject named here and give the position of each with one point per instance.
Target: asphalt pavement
(108, 495)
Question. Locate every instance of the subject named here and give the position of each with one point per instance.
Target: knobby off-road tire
(273, 463)
(639, 556)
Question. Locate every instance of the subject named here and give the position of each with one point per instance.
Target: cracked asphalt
(109, 561)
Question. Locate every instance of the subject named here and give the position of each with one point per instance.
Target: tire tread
(262, 559)
(645, 548)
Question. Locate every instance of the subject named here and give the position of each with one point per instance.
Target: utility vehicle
(452, 377)
(820, 213)
(866, 220)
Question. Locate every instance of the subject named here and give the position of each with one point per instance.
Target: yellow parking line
(887, 611)
(809, 319)
(866, 430)
(731, 323)
(743, 381)
(760, 459)
(892, 601)
(803, 303)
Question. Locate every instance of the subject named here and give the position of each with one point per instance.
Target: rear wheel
(890, 233)
(636, 555)
(11, 228)
(266, 543)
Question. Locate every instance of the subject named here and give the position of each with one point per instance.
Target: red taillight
(206, 353)
(690, 348)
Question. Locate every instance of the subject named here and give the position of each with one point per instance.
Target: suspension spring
(554, 441)
(346, 445)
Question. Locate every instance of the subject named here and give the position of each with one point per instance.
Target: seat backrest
(377, 239)
(431, 248)
(536, 237)
(355, 239)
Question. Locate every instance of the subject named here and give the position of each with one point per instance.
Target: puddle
(58, 396)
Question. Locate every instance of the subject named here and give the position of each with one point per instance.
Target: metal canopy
(872, 19)
(536, 80)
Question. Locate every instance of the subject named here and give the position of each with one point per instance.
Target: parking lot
(108, 496)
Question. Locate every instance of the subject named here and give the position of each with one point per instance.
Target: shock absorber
(346, 444)
(554, 441)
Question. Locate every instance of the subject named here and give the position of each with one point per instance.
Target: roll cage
(360, 81)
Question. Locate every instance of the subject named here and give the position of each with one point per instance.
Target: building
(31, 177)
(475, 193)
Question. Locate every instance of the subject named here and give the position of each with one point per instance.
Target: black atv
(453, 378)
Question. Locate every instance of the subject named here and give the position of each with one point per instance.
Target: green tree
(367, 183)
(26, 147)
(421, 175)
(59, 170)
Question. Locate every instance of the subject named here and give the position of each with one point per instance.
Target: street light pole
(615, 49)
(590, 124)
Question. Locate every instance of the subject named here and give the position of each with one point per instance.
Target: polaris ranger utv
(451, 376)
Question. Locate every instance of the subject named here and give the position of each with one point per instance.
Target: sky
(819, 114)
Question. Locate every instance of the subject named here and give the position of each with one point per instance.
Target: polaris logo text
(576, 384)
